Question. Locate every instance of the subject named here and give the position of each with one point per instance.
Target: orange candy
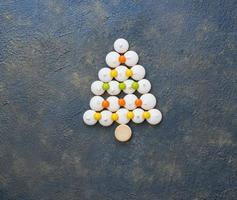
(138, 102)
(122, 59)
(121, 102)
(105, 104)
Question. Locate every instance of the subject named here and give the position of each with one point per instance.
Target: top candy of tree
(121, 45)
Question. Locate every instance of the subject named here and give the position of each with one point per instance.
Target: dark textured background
(50, 53)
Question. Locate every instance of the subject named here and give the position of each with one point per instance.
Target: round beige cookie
(123, 133)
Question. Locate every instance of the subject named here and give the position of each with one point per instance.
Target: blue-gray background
(50, 53)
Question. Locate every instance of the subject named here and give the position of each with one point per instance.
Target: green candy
(122, 86)
(105, 86)
(135, 85)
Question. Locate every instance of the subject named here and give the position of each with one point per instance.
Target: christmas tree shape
(123, 75)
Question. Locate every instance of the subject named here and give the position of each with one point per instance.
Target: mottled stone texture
(51, 51)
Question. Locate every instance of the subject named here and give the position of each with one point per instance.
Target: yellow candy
(97, 116)
(146, 115)
(114, 116)
(129, 72)
(130, 115)
(113, 73)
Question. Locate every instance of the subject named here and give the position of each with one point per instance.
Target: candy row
(114, 87)
(130, 102)
(122, 73)
(114, 59)
(122, 116)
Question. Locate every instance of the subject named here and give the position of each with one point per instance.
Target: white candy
(144, 86)
(113, 103)
(130, 101)
(155, 117)
(138, 116)
(122, 116)
(138, 72)
(104, 74)
(131, 58)
(128, 89)
(121, 73)
(106, 119)
(88, 117)
(121, 45)
(113, 88)
(112, 59)
(96, 88)
(148, 101)
(96, 103)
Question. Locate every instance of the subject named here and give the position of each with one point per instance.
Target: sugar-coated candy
(138, 116)
(122, 86)
(130, 115)
(138, 72)
(104, 74)
(144, 86)
(121, 45)
(128, 72)
(113, 73)
(113, 103)
(138, 102)
(88, 117)
(130, 101)
(122, 116)
(148, 101)
(106, 119)
(128, 89)
(131, 58)
(114, 116)
(112, 59)
(97, 116)
(155, 117)
(121, 76)
(96, 103)
(146, 115)
(122, 59)
(96, 88)
(105, 86)
(113, 88)
(105, 104)
(135, 85)
(121, 102)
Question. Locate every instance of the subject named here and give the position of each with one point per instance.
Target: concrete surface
(51, 51)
